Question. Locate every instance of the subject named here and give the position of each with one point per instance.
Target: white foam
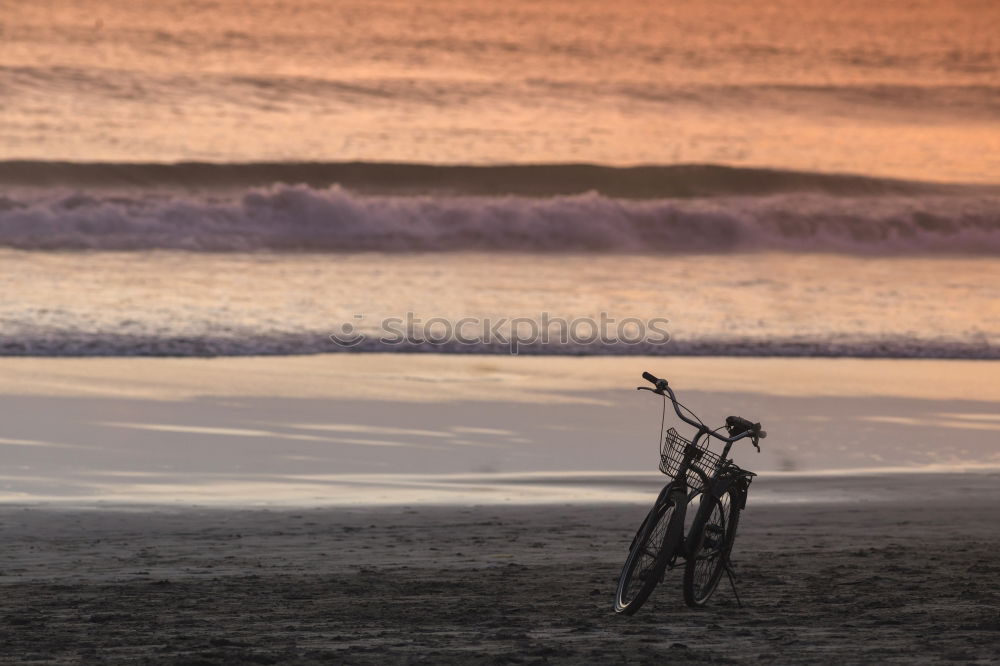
(298, 217)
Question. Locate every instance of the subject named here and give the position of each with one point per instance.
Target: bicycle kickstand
(732, 581)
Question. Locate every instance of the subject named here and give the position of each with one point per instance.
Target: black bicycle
(719, 488)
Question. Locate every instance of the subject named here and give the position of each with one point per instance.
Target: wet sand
(363, 429)
(890, 580)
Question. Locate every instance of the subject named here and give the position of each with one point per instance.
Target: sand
(891, 580)
(388, 428)
(397, 509)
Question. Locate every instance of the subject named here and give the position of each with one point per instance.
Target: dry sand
(894, 580)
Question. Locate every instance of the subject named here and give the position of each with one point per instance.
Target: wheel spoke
(640, 571)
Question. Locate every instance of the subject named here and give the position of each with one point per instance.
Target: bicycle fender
(740, 495)
(668, 490)
(740, 485)
(662, 497)
(722, 484)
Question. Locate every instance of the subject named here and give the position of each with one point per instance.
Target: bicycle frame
(716, 486)
(663, 536)
(723, 478)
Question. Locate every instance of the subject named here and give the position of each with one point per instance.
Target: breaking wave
(332, 219)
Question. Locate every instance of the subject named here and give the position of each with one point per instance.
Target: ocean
(231, 178)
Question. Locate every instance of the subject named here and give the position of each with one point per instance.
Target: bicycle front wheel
(657, 539)
(709, 544)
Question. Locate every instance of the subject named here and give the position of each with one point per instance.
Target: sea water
(905, 89)
(242, 177)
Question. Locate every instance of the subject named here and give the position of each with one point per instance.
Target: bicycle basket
(672, 455)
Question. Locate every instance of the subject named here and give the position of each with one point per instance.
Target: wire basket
(672, 456)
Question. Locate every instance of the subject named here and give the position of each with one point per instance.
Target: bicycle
(697, 474)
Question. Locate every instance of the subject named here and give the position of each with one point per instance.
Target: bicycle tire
(654, 544)
(710, 542)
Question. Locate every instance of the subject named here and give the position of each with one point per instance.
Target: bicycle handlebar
(733, 422)
(661, 386)
(750, 429)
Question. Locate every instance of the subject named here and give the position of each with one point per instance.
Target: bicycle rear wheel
(655, 542)
(711, 540)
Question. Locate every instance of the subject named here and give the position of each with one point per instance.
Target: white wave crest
(298, 217)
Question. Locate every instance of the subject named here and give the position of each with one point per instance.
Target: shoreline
(315, 375)
(526, 490)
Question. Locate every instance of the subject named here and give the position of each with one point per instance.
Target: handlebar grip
(649, 377)
(735, 423)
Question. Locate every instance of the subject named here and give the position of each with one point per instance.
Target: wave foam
(301, 218)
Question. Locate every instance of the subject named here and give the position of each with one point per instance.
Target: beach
(197, 536)
(321, 326)
(910, 578)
